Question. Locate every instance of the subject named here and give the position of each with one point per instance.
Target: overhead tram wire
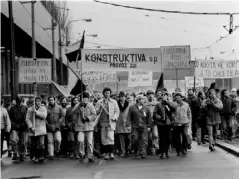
(166, 11)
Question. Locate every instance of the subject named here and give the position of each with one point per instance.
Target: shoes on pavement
(71, 156)
(91, 160)
(14, 157)
(211, 148)
(143, 156)
(167, 156)
(57, 154)
(107, 157)
(199, 143)
(112, 157)
(203, 142)
(9, 154)
(178, 154)
(162, 156)
(184, 152)
(21, 158)
(189, 147)
(85, 160)
(51, 158)
(122, 155)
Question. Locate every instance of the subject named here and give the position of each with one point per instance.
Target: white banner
(217, 68)
(93, 76)
(140, 78)
(199, 82)
(34, 71)
(176, 57)
(122, 59)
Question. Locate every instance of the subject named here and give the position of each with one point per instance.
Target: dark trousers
(64, 141)
(140, 140)
(37, 146)
(97, 143)
(180, 137)
(123, 141)
(165, 138)
(4, 136)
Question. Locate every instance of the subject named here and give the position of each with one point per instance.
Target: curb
(227, 147)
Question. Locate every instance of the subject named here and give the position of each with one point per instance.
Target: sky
(128, 28)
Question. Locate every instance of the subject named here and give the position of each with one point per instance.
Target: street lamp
(90, 35)
(86, 20)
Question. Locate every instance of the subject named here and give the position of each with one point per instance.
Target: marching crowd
(123, 124)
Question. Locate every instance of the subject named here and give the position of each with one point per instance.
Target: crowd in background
(106, 124)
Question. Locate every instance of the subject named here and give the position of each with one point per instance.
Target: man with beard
(37, 130)
(139, 118)
(64, 132)
(153, 134)
(70, 124)
(84, 126)
(55, 117)
(108, 110)
(19, 128)
(123, 132)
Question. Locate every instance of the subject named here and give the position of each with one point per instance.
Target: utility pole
(12, 54)
(60, 55)
(54, 75)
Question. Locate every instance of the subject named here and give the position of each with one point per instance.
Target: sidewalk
(232, 147)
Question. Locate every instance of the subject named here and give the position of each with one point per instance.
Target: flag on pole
(160, 85)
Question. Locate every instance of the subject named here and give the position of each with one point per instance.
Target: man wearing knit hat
(140, 119)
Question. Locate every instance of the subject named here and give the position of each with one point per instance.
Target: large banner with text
(217, 69)
(132, 59)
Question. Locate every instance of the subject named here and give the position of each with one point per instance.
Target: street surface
(198, 164)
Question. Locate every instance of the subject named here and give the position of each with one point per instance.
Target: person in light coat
(108, 111)
(123, 132)
(37, 130)
(5, 125)
(84, 126)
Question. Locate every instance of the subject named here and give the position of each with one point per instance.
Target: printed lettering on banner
(94, 76)
(34, 71)
(122, 59)
(140, 78)
(176, 57)
(199, 82)
(217, 68)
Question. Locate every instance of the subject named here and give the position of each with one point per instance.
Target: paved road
(199, 164)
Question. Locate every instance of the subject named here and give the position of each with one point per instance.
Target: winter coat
(151, 105)
(210, 110)
(17, 115)
(121, 122)
(194, 106)
(5, 120)
(55, 118)
(163, 113)
(139, 118)
(89, 113)
(229, 107)
(70, 118)
(113, 111)
(182, 114)
(40, 121)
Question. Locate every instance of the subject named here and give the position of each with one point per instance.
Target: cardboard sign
(34, 71)
(199, 82)
(140, 78)
(176, 57)
(122, 59)
(93, 76)
(217, 68)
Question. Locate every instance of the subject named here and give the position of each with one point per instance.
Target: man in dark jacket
(163, 117)
(139, 117)
(19, 128)
(228, 113)
(70, 124)
(55, 118)
(195, 108)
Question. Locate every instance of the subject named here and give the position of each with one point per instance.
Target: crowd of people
(123, 124)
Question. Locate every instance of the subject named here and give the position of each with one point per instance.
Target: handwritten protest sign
(93, 76)
(217, 68)
(199, 82)
(140, 78)
(122, 59)
(34, 71)
(176, 57)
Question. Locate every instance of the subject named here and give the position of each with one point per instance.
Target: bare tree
(60, 13)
